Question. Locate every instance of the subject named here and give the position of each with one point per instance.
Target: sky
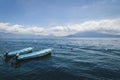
(59, 17)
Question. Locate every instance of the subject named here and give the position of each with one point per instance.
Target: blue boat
(34, 54)
(23, 51)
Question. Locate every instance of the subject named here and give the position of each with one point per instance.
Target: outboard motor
(16, 57)
(14, 60)
(5, 55)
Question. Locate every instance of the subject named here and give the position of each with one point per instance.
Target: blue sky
(52, 13)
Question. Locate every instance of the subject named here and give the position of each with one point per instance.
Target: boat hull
(35, 54)
(23, 51)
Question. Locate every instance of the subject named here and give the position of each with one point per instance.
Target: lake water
(72, 59)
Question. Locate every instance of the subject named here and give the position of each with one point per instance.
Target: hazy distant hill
(93, 34)
(11, 35)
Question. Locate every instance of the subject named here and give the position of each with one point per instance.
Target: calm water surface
(72, 59)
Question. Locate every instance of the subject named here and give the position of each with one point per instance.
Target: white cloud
(110, 26)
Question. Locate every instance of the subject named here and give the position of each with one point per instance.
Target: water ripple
(72, 59)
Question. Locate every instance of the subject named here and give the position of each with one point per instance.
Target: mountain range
(93, 34)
